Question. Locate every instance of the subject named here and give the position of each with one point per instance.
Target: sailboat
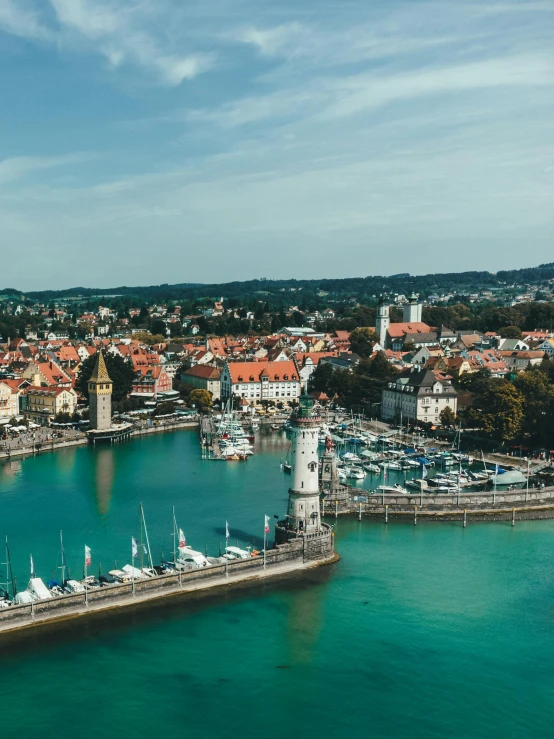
(9, 584)
(186, 558)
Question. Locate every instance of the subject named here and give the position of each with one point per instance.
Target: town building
(204, 377)
(9, 401)
(417, 395)
(43, 404)
(259, 381)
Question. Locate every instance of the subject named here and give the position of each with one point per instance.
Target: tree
(538, 394)
(200, 398)
(362, 341)
(500, 409)
(164, 409)
(447, 417)
(158, 327)
(510, 332)
(121, 373)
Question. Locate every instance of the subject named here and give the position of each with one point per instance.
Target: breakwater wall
(298, 553)
(483, 506)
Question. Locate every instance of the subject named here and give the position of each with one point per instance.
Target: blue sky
(150, 141)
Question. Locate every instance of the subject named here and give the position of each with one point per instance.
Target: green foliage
(362, 340)
(498, 410)
(164, 409)
(201, 399)
(447, 417)
(510, 332)
(120, 372)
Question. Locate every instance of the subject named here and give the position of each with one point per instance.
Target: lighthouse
(303, 506)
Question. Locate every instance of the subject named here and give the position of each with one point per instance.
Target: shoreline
(128, 601)
(56, 446)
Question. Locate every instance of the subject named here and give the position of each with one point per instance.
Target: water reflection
(10, 469)
(305, 617)
(103, 478)
(65, 460)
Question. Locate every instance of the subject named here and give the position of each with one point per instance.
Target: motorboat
(74, 586)
(24, 598)
(38, 589)
(55, 587)
(394, 489)
(236, 553)
(287, 467)
(189, 559)
(119, 576)
(390, 465)
(355, 473)
(351, 457)
(133, 573)
(410, 464)
(373, 468)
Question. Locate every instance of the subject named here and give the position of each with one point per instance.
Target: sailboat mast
(174, 536)
(150, 563)
(10, 571)
(65, 566)
(141, 550)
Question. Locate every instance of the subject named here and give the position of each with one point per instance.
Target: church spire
(100, 373)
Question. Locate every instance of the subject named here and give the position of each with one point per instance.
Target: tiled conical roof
(100, 373)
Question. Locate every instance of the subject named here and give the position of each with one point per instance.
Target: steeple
(100, 372)
(100, 388)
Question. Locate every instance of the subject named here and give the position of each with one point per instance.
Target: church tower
(383, 321)
(303, 508)
(100, 389)
(412, 310)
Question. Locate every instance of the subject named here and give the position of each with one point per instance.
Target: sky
(165, 141)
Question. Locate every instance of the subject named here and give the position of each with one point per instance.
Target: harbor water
(430, 630)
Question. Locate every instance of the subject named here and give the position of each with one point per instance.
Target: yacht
(355, 473)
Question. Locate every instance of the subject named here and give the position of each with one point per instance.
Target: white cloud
(19, 18)
(276, 40)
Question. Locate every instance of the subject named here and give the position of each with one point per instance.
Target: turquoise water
(426, 631)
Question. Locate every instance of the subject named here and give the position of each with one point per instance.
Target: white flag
(266, 525)
(424, 475)
(182, 539)
(227, 531)
(134, 547)
(88, 558)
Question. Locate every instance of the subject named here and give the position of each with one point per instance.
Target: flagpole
(226, 553)
(86, 583)
(133, 564)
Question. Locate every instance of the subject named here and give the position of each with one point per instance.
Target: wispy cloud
(18, 168)
(124, 33)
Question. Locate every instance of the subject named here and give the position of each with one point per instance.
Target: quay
(297, 554)
(499, 505)
(55, 444)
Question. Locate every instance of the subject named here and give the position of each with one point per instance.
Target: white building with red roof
(258, 381)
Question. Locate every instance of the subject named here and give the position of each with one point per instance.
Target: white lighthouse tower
(303, 508)
(383, 321)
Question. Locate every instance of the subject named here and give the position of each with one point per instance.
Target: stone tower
(412, 310)
(100, 396)
(303, 508)
(383, 321)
